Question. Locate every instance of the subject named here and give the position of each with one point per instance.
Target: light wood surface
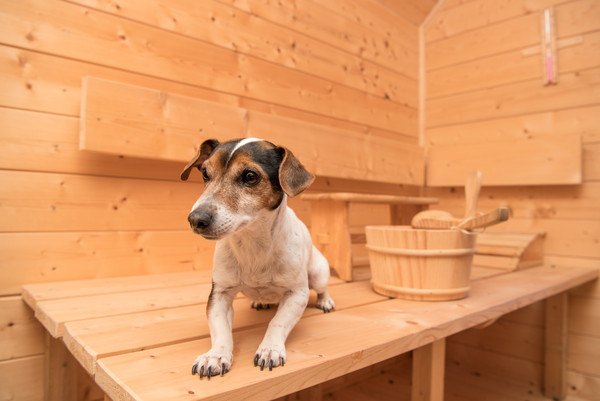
(324, 344)
(134, 121)
(555, 160)
(332, 354)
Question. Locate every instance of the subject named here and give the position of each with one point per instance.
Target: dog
(262, 248)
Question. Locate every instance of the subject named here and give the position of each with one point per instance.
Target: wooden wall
(68, 214)
(483, 81)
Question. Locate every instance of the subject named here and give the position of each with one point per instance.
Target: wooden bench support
(555, 365)
(330, 228)
(60, 377)
(428, 372)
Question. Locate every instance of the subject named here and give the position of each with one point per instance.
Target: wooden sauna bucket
(425, 265)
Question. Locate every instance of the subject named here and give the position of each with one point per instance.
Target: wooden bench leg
(60, 376)
(555, 362)
(330, 232)
(428, 372)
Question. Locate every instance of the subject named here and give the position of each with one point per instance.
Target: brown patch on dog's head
(243, 179)
(204, 152)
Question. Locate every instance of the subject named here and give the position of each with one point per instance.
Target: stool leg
(555, 362)
(331, 234)
(402, 214)
(428, 372)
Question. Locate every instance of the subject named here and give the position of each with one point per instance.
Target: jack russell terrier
(262, 249)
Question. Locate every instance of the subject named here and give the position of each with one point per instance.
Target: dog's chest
(267, 285)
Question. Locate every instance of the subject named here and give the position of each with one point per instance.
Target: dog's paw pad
(270, 356)
(261, 306)
(212, 363)
(325, 303)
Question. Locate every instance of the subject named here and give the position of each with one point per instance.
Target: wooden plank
(470, 15)
(583, 354)
(577, 89)
(243, 32)
(140, 122)
(328, 25)
(93, 339)
(578, 202)
(54, 313)
(556, 346)
(66, 202)
(510, 67)
(584, 315)
(523, 341)
(413, 11)
(582, 386)
(50, 143)
(23, 379)
(428, 372)
(345, 154)
(30, 81)
(55, 256)
(185, 60)
(572, 18)
(334, 341)
(34, 293)
(576, 238)
(21, 333)
(582, 120)
(503, 368)
(535, 161)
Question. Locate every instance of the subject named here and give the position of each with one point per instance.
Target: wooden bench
(330, 228)
(137, 336)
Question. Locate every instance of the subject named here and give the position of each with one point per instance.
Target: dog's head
(244, 179)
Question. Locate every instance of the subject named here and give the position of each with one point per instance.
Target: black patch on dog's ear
(293, 177)
(206, 149)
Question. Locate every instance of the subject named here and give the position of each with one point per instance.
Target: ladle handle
(472, 188)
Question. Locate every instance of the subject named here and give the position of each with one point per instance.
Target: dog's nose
(200, 219)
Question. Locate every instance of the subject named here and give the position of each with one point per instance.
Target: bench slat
(369, 198)
(54, 313)
(33, 293)
(89, 340)
(323, 347)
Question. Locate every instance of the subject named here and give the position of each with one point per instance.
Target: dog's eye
(205, 176)
(250, 178)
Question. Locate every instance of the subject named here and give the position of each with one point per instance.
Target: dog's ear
(293, 177)
(204, 153)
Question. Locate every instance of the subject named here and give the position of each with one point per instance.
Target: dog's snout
(200, 219)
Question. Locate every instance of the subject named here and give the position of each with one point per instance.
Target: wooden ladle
(440, 219)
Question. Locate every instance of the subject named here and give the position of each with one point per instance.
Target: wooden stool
(330, 228)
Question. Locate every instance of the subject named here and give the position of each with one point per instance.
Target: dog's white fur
(270, 258)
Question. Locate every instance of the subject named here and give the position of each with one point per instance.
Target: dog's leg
(220, 316)
(318, 278)
(271, 351)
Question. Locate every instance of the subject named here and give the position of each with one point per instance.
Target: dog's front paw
(325, 302)
(270, 354)
(212, 363)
